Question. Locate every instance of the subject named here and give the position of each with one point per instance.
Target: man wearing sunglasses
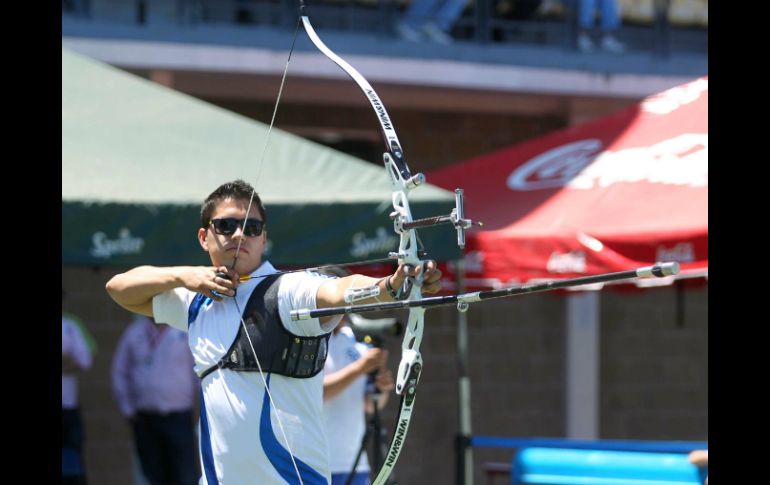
(261, 397)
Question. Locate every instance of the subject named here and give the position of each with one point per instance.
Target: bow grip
(409, 281)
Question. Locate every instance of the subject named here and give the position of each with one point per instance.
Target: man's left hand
(431, 282)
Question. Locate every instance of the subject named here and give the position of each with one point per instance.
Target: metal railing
(524, 22)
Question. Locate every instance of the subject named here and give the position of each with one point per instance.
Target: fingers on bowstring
(227, 274)
(222, 286)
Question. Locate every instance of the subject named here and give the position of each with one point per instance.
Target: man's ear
(202, 239)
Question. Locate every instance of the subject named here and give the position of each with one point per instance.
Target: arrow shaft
(660, 270)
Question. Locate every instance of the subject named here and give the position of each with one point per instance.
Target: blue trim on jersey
(199, 301)
(359, 478)
(278, 456)
(207, 456)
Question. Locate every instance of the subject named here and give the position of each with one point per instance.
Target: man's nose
(238, 233)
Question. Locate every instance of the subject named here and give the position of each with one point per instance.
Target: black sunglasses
(226, 226)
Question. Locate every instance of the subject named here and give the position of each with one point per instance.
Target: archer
(261, 389)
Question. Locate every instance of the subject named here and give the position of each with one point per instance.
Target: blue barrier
(555, 466)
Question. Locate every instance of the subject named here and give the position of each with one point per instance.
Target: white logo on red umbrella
(572, 262)
(681, 160)
(556, 167)
(474, 262)
(682, 252)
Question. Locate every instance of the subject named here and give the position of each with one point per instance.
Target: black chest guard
(279, 351)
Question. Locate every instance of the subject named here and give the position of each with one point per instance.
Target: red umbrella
(620, 192)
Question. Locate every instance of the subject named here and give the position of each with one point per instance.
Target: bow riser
(401, 183)
(410, 355)
(391, 140)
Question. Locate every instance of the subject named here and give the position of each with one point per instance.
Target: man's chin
(247, 267)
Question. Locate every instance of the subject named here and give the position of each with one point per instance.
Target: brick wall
(654, 368)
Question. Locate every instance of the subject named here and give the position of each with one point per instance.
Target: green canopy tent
(138, 159)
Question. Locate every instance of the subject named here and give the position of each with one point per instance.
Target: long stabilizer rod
(659, 270)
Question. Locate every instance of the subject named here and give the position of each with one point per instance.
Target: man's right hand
(207, 280)
(135, 289)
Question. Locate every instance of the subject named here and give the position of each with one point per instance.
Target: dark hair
(237, 190)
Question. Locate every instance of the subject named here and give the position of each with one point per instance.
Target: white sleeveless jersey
(241, 441)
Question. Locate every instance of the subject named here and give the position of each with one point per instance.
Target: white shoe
(611, 44)
(585, 44)
(435, 34)
(409, 33)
